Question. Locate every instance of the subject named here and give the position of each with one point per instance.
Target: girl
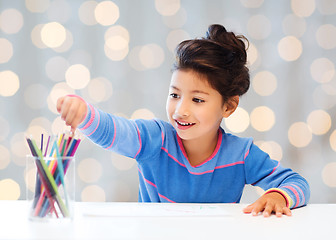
(191, 158)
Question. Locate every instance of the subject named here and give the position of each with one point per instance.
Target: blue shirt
(165, 174)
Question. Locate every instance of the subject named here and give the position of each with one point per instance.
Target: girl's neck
(199, 150)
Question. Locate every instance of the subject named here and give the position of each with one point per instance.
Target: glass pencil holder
(50, 187)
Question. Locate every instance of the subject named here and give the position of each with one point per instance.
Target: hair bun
(216, 32)
(234, 43)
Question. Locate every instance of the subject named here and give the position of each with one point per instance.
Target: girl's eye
(197, 100)
(173, 95)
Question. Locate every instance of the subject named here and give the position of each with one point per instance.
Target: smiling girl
(191, 158)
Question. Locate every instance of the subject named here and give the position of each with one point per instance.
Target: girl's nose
(182, 109)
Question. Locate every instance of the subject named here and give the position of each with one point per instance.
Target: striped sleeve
(111, 132)
(271, 176)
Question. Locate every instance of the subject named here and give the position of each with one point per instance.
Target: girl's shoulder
(154, 123)
(155, 127)
(233, 143)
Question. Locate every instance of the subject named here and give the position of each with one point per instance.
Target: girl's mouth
(184, 125)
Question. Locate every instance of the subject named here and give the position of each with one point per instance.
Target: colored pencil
(50, 174)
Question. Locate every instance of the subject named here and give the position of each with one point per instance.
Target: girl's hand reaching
(268, 203)
(73, 110)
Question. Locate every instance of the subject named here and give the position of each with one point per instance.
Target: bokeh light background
(118, 55)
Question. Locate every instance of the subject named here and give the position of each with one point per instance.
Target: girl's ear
(230, 106)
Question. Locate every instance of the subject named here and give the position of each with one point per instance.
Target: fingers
(69, 113)
(272, 202)
(279, 211)
(248, 209)
(267, 208)
(64, 110)
(80, 113)
(254, 208)
(287, 211)
(72, 110)
(73, 130)
(59, 104)
(258, 208)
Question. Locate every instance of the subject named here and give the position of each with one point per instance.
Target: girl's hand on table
(268, 203)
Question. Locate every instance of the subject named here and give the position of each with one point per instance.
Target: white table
(168, 221)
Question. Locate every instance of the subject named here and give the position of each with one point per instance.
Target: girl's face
(194, 108)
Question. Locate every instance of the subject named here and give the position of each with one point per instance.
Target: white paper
(157, 210)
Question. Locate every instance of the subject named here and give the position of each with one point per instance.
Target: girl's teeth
(185, 124)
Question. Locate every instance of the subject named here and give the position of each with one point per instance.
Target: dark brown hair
(221, 57)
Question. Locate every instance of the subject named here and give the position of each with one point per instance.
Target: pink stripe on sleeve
(295, 193)
(140, 143)
(91, 118)
(274, 169)
(96, 126)
(114, 134)
(302, 194)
